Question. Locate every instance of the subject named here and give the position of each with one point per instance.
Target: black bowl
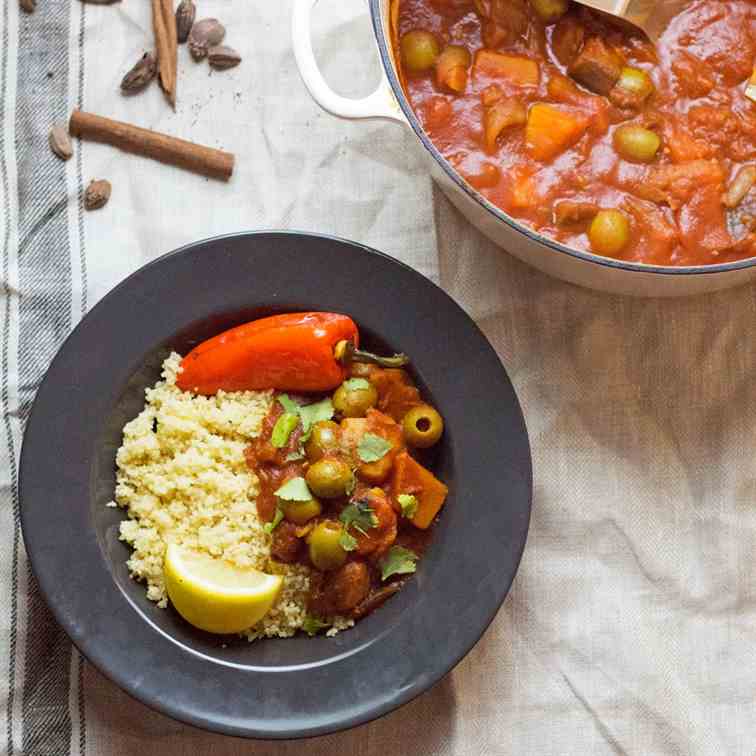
(272, 688)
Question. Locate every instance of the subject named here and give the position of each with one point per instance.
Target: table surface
(629, 626)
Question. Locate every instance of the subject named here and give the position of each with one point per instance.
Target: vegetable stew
(341, 493)
(588, 132)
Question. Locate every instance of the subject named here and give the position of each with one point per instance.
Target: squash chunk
(514, 68)
(550, 131)
(410, 477)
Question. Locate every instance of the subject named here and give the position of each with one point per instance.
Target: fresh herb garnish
(356, 384)
(359, 515)
(283, 429)
(309, 414)
(294, 456)
(289, 406)
(294, 489)
(408, 503)
(372, 448)
(313, 625)
(269, 527)
(346, 541)
(398, 561)
(314, 413)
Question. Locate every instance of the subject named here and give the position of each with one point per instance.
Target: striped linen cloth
(631, 625)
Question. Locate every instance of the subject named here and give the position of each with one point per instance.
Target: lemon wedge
(213, 594)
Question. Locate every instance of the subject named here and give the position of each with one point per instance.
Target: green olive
(326, 553)
(300, 512)
(550, 11)
(355, 402)
(329, 478)
(636, 143)
(609, 232)
(419, 50)
(323, 439)
(422, 426)
(636, 81)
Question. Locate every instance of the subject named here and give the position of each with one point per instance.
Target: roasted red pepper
(303, 351)
(293, 352)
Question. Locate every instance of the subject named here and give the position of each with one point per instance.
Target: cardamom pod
(28, 5)
(185, 19)
(97, 194)
(60, 142)
(222, 57)
(140, 75)
(205, 34)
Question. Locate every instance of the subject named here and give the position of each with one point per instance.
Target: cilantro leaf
(289, 406)
(314, 413)
(356, 384)
(294, 489)
(408, 503)
(346, 541)
(309, 414)
(282, 429)
(360, 516)
(372, 448)
(269, 527)
(398, 561)
(294, 456)
(313, 625)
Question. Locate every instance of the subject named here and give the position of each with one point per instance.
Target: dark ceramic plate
(272, 688)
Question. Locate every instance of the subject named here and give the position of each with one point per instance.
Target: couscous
(183, 478)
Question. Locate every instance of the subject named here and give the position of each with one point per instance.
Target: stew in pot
(587, 131)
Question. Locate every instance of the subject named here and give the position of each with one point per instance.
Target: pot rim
(633, 267)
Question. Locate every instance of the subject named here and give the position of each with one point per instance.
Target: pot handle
(379, 104)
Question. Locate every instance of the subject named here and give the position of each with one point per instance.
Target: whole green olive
(300, 512)
(609, 232)
(330, 478)
(323, 439)
(550, 11)
(636, 80)
(326, 553)
(636, 143)
(422, 426)
(419, 50)
(355, 397)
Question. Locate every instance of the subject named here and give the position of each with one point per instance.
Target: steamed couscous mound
(183, 479)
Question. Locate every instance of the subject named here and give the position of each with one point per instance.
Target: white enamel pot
(388, 102)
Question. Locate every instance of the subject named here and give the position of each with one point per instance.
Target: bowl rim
(384, 48)
(95, 651)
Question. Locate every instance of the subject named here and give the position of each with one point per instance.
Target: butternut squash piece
(564, 90)
(396, 393)
(514, 68)
(410, 477)
(550, 131)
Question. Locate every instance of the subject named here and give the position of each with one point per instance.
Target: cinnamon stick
(167, 51)
(167, 149)
(169, 21)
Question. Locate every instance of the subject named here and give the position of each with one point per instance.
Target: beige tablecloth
(632, 623)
